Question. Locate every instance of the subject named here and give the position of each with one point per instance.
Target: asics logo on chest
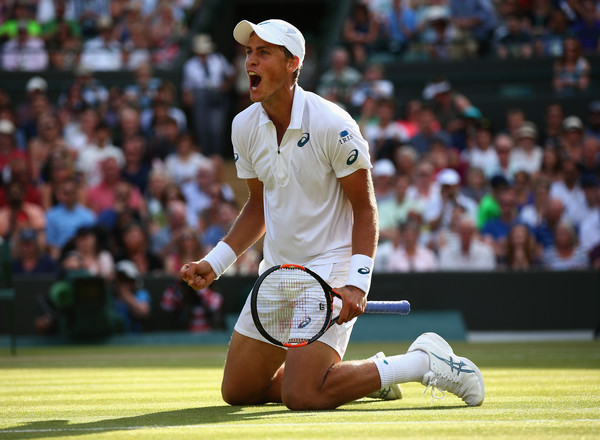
(303, 140)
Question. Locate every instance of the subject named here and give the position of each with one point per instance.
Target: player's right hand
(198, 274)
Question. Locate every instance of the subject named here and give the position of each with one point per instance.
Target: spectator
(29, 258)
(589, 166)
(396, 210)
(440, 37)
(539, 16)
(527, 154)
(49, 140)
(104, 52)
(166, 35)
(551, 42)
(409, 255)
(164, 98)
(186, 247)
(545, 231)
(386, 133)
(165, 139)
(131, 301)
(515, 118)
(157, 183)
(183, 165)
(136, 170)
(383, 173)
(337, 83)
(551, 168)
(489, 205)
(97, 260)
(532, 214)
(449, 105)
(8, 148)
(400, 27)
(207, 79)
(99, 147)
(522, 188)
(589, 231)
(504, 145)
(144, 89)
(129, 125)
(587, 27)
(213, 232)
(58, 168)
(517, 43)
(196, 193)
(373, 85)
(424, 187)
(438, 211)
(496, 230)
(521, 250)
(469, 254)
(136, 50)
(360, 33)
(162, 242)
(24, 52)
(476, 185)
(66, 218)
(19, 214)
(571, 71)
(553, 118)
(134, 246)
(592, 127)
(63, 42)
(571, 142)
(410, 117)
(405, 158)
(18, 171)
(93, 93)
(429, 132)
(570, 192)
(565, 254)
(477, 19)
(482, 155)
(104, 195)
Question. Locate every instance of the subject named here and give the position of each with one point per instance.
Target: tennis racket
(292, 306)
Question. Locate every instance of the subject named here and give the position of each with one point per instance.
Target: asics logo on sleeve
(303, 140)
(364, 270)
(352, 157)
(235, 157)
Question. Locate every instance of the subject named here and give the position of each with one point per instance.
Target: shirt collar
(297, 110)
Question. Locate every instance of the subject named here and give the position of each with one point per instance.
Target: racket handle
(391, 307)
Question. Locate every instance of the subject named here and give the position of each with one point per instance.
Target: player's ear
(293, 63)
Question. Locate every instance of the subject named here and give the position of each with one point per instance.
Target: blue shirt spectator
(401, 26)
(64, 219)
(476, 17)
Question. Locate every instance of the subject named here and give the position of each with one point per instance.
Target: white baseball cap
(448, 176)
(272, 31)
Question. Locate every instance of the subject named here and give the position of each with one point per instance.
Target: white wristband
(220, 258)
(360, 273)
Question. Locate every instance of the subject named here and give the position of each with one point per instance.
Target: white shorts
(337, 337)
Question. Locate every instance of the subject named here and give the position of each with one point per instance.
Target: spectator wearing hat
(65, 218)
(131, 301)
(527, 154)
(383, 172)
(104, 52)
(571, 142)
(29, 258)
(438, 212)
(592, 127)
(571, 72)
(448, 104)
(440, 37)
(207, 79)
(24, 52)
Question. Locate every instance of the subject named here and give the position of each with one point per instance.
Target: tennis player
(307, 168)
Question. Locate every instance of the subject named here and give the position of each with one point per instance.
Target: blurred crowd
(136, 175)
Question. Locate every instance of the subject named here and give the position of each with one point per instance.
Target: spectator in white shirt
(24, 52)
(104, 52)
(469, 253)
(183, 166)
(569, 191)
(526, 154)
(483, 154)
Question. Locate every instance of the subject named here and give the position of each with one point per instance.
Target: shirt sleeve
(346, 148)
(243, 164)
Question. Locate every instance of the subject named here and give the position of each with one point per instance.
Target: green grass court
(541, 390)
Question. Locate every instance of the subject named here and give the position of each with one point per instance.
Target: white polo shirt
(308, 218)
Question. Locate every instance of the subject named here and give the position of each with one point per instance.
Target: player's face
(268, 69)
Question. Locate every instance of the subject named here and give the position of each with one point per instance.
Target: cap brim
(244, 29)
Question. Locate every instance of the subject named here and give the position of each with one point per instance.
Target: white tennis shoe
(448, 372)
(393, 392)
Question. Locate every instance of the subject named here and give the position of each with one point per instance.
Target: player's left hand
(354, 302)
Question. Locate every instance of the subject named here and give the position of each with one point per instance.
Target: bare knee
(305, 399)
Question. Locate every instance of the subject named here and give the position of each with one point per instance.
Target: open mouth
(254, 80)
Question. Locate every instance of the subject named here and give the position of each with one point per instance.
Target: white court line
(284, 425)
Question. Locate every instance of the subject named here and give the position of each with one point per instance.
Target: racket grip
(391, 307)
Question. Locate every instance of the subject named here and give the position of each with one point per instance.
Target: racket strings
(291, 305)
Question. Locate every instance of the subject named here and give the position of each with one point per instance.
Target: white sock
(409, 367)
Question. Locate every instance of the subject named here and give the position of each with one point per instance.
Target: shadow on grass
(212, 415)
